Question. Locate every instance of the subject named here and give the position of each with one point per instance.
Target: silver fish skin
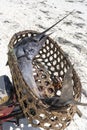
(66, 92)
(66, 97)
(26, 68)
(29, 48)
(25, 54)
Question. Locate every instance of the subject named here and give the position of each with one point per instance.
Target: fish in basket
(47, 86)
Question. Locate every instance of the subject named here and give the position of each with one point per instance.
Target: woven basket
(50, 62)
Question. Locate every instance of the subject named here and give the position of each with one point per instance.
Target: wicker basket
(50, 62)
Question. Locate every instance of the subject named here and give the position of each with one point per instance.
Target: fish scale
(27, 49)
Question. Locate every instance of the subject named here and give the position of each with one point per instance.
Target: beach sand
(71, 35)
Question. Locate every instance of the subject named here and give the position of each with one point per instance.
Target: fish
(26, 50)
(25, 55)
(66, 96)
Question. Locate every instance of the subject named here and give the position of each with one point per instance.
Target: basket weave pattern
(50, 62)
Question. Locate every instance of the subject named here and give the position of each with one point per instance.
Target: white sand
(18, 15)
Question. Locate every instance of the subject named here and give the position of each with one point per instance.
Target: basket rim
(25, 33)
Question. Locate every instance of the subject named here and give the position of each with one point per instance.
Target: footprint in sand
(79, 12)
(40, 26)
(79, 25)
(78, 35)
(80, 48)
(69, 23)
(71, 1)
(6, 21)
(64, 41)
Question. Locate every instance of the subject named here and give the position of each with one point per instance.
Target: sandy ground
(71, 34)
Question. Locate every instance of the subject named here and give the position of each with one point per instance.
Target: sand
(71, 35)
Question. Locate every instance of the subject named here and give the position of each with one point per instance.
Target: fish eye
(35, 39)
(38, 38)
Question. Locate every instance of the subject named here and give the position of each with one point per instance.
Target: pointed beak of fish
(43, 40)
(41, 36)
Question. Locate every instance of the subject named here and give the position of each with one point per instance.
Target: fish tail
(79, 103)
